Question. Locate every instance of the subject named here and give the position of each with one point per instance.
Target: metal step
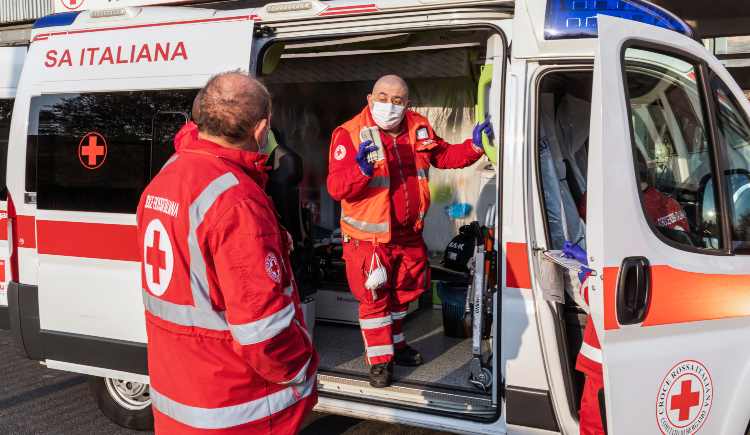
(454, 402)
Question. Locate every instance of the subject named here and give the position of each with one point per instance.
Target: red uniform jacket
(346, 180)
(228, 352)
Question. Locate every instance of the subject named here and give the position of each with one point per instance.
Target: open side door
(668, 172)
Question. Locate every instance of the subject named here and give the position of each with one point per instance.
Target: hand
(572, 250)
(365, 148)
(476, 135)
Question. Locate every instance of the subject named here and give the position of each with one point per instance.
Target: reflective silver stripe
(398, 315)
(169, 161)
(235, 415)
(365, 226)
(263, 329)
(379, 181)
(301, 376)
(591, 353)
(198, 209)
(384, 350)
(184, 315)
(422, 173)
(375, 323)
(398, 338)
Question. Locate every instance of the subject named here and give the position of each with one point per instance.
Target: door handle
(633, 290)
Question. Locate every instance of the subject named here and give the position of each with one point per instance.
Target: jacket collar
(252, 163)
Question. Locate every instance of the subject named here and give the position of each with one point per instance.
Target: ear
(369, 99)
(260, 130)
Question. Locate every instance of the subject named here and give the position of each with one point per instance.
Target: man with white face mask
(383, 188)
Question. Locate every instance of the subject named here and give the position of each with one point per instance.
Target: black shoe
(381, 375)
(408, 356)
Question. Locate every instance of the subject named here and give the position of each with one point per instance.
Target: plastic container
(456, 322)
(308, 311)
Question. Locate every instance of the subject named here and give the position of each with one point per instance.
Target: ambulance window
(6, 109)
(93, 150)
(734, 136)
(670, 145)
(166, 126)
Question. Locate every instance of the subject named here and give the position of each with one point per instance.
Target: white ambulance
(598, 107)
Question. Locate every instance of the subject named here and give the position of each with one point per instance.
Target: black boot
(408, 356)
(381, 375)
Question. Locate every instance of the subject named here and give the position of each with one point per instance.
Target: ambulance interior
(316, 86)
(564, 107)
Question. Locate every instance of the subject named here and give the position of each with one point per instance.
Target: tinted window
(6, 110)
(734, 135)
(671, 147)
(94, 151)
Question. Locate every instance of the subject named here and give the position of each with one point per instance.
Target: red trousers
(590, 417)
(382, 313)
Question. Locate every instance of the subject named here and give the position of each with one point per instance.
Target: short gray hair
(231, 105)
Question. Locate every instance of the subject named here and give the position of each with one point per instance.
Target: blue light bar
(577, 18)
(56, 20)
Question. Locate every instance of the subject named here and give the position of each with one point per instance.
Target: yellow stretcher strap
(481, 110)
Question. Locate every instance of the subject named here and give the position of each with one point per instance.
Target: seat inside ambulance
(318, 85)
(564, 107)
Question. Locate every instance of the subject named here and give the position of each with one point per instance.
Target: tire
(127, 404)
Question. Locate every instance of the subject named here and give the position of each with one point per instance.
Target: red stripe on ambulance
(517, 274)
(3, 226)
(346, 10)
(45, 36)
(88, 240)
(26, 232)
(679, 296)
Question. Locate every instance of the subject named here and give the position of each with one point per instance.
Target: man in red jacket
(228, 352)
(384, 193)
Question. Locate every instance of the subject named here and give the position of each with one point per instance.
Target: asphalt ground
(35, 400)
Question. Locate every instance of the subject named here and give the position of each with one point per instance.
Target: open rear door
(101, 93)
(11, 62)
(667, 233)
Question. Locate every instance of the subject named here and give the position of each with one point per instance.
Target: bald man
(228, 351)
(378, 166)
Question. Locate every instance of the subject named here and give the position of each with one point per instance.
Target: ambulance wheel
(126, 403)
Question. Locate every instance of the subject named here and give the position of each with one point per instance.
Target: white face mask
(386, 115)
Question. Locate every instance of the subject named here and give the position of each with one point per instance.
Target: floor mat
(446, 359)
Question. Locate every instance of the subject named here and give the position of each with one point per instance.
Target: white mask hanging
(377, 276)
(386, 115)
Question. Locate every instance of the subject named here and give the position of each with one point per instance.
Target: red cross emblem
(72, 4)
(158, 258)
(92, 150)
(273, 268)
(685, 401)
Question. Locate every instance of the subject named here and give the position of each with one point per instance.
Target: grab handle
(481, 110)
(633, 290)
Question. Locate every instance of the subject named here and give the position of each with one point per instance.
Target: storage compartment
(318, 85)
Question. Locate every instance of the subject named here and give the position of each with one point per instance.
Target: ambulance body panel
(11, 63)
(87, 292)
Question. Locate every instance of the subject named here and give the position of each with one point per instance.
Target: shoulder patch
(423, 133)
(339, 153)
